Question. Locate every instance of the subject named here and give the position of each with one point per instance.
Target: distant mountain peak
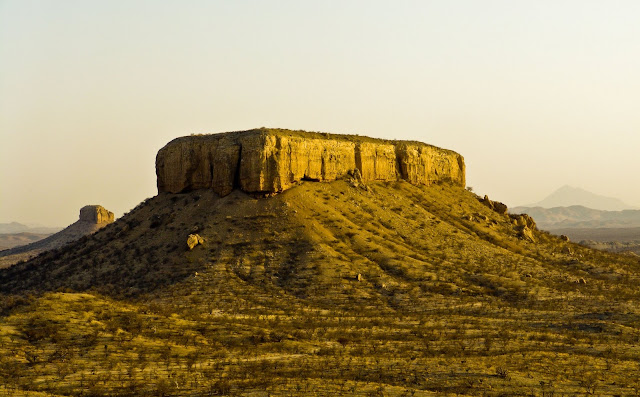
(571, 188)
(567, 196)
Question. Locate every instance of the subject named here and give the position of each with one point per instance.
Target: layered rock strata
(266, 161)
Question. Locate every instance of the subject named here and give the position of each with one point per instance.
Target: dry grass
(444, 305)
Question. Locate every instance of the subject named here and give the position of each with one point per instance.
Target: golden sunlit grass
(449, 301)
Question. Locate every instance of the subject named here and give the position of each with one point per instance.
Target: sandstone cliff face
(95, 214)
(268, 161)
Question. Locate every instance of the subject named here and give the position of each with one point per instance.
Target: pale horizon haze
(534, 94)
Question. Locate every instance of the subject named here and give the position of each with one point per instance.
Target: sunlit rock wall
(268, 161)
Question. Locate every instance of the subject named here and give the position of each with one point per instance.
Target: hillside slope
(327, 288)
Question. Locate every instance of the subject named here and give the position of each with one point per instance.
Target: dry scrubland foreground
(452, 298)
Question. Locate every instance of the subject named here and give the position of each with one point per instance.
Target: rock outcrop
(497, 206)
(95, 214)
(193, 240)
(526, 233)
(523, 220)
(266, 161)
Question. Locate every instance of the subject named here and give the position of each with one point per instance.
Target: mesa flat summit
(267, 161)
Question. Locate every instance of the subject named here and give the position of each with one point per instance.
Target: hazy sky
(534, 94)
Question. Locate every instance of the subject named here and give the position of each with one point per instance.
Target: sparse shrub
(503, 373)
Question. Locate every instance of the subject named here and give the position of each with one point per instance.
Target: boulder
(193, 240)
(526, 234)
(356, 175)
(524, 220)
(496, 206)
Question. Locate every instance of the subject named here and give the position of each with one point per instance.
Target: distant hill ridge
(577, 216)
(568, 196)
(15, 227)
(10, 240)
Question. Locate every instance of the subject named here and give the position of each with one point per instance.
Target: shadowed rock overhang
(266, 161)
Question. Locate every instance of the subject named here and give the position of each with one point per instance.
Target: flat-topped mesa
(95, 214)
(265, 161)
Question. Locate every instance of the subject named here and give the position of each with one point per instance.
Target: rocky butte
(95, 214)
(92, 218)
(267, 161)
